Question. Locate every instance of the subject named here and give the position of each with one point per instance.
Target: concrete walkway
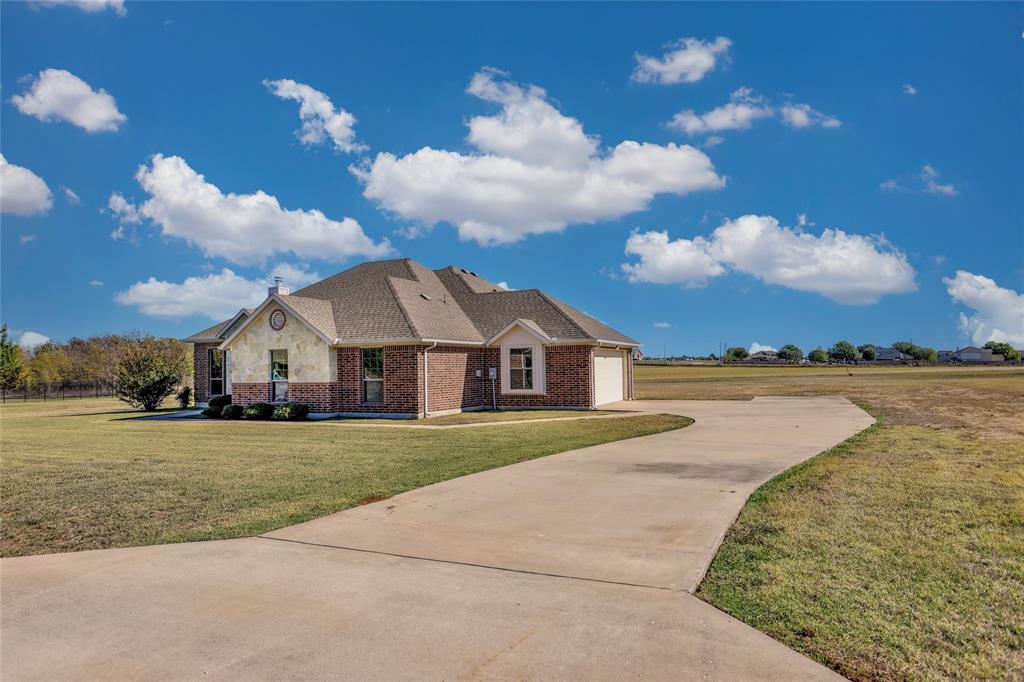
(574, 566)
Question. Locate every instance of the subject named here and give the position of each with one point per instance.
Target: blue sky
(687, 173)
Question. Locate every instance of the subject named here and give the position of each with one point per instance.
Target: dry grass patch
(898, 555)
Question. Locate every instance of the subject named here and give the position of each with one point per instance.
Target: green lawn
(485, 416)
(898, 555)
(84, 474)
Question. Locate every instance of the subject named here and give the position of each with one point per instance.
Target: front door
(279, 376)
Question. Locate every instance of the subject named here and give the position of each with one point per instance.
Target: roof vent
(474, 274)
(424, 297)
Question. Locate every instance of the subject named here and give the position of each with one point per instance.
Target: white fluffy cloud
(88, 5)
(22, 192)
(745, 106)
(242, 228)
(998, 312)
(847, 268)
(909, 89)
(756, 347)
(686, 61)
(320, 119)
(32, 340)
(216, 296)
(535, 171)
(662, 325)
(61, 95)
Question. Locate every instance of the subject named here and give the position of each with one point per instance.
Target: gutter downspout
(426, 380)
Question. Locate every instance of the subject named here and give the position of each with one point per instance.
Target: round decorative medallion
(277, 320)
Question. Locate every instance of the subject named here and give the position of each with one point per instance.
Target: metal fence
(61, 391)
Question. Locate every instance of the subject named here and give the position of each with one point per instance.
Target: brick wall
(453, 380)
(630, 393)
(320, 397)
(201, 370)
(567, 379)
(403, 381)
(247, 394)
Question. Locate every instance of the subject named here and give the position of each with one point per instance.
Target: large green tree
(791, 353)
(818, 355)
(843, 351)
(867, 351)
(736, 353)
(148, 371)
(1006, 350)
(12, 364)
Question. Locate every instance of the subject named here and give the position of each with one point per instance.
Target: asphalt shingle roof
(403, 300)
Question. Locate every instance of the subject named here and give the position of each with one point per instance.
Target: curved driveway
(573, 566)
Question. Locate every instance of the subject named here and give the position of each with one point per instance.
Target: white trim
(528, 328)
(259, 310)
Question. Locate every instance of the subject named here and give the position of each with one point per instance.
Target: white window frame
(273, 381)
(538, 367)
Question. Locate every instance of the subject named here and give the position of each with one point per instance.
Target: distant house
(973, 354)
(764, 356)
(891, 355)
(945, 356)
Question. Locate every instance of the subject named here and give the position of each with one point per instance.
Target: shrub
(258, 411)
(184, 396)
(147, 373)
(220, 400)
(212, 412)
(291, 412)
(231, 412)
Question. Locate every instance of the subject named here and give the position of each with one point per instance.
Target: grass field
(484, 416)
(900, 553)
(84, 474)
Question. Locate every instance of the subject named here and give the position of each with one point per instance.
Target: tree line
(94, 362)
(845, 352)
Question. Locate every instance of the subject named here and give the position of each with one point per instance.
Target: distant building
(764, 356)
(946, 356)
(887, 354)
(976, 355)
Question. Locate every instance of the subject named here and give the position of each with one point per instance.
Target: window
(216, 360)
(278, 375)
(373, 375)
(520, 364)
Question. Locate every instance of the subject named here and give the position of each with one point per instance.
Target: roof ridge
(561, 312)
(401, 306)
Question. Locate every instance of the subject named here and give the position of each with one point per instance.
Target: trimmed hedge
(291, 412)
(231, 412)
(220, 401)
(258, 411)
(212, 412)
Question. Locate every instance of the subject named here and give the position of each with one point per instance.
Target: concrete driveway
(574, 566)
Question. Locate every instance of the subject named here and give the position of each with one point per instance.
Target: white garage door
(609, 376)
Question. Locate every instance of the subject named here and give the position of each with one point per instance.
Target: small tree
(147, 373)
(1006, 350)
(791, 353)
(736, 353)
(12, 365)
(818, 355)
(867, 351)
(843, 351)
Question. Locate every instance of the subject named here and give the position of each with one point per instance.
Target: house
(945, 357)
(764, 356)
(394, 338)
(974, 354)
(886, 354)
